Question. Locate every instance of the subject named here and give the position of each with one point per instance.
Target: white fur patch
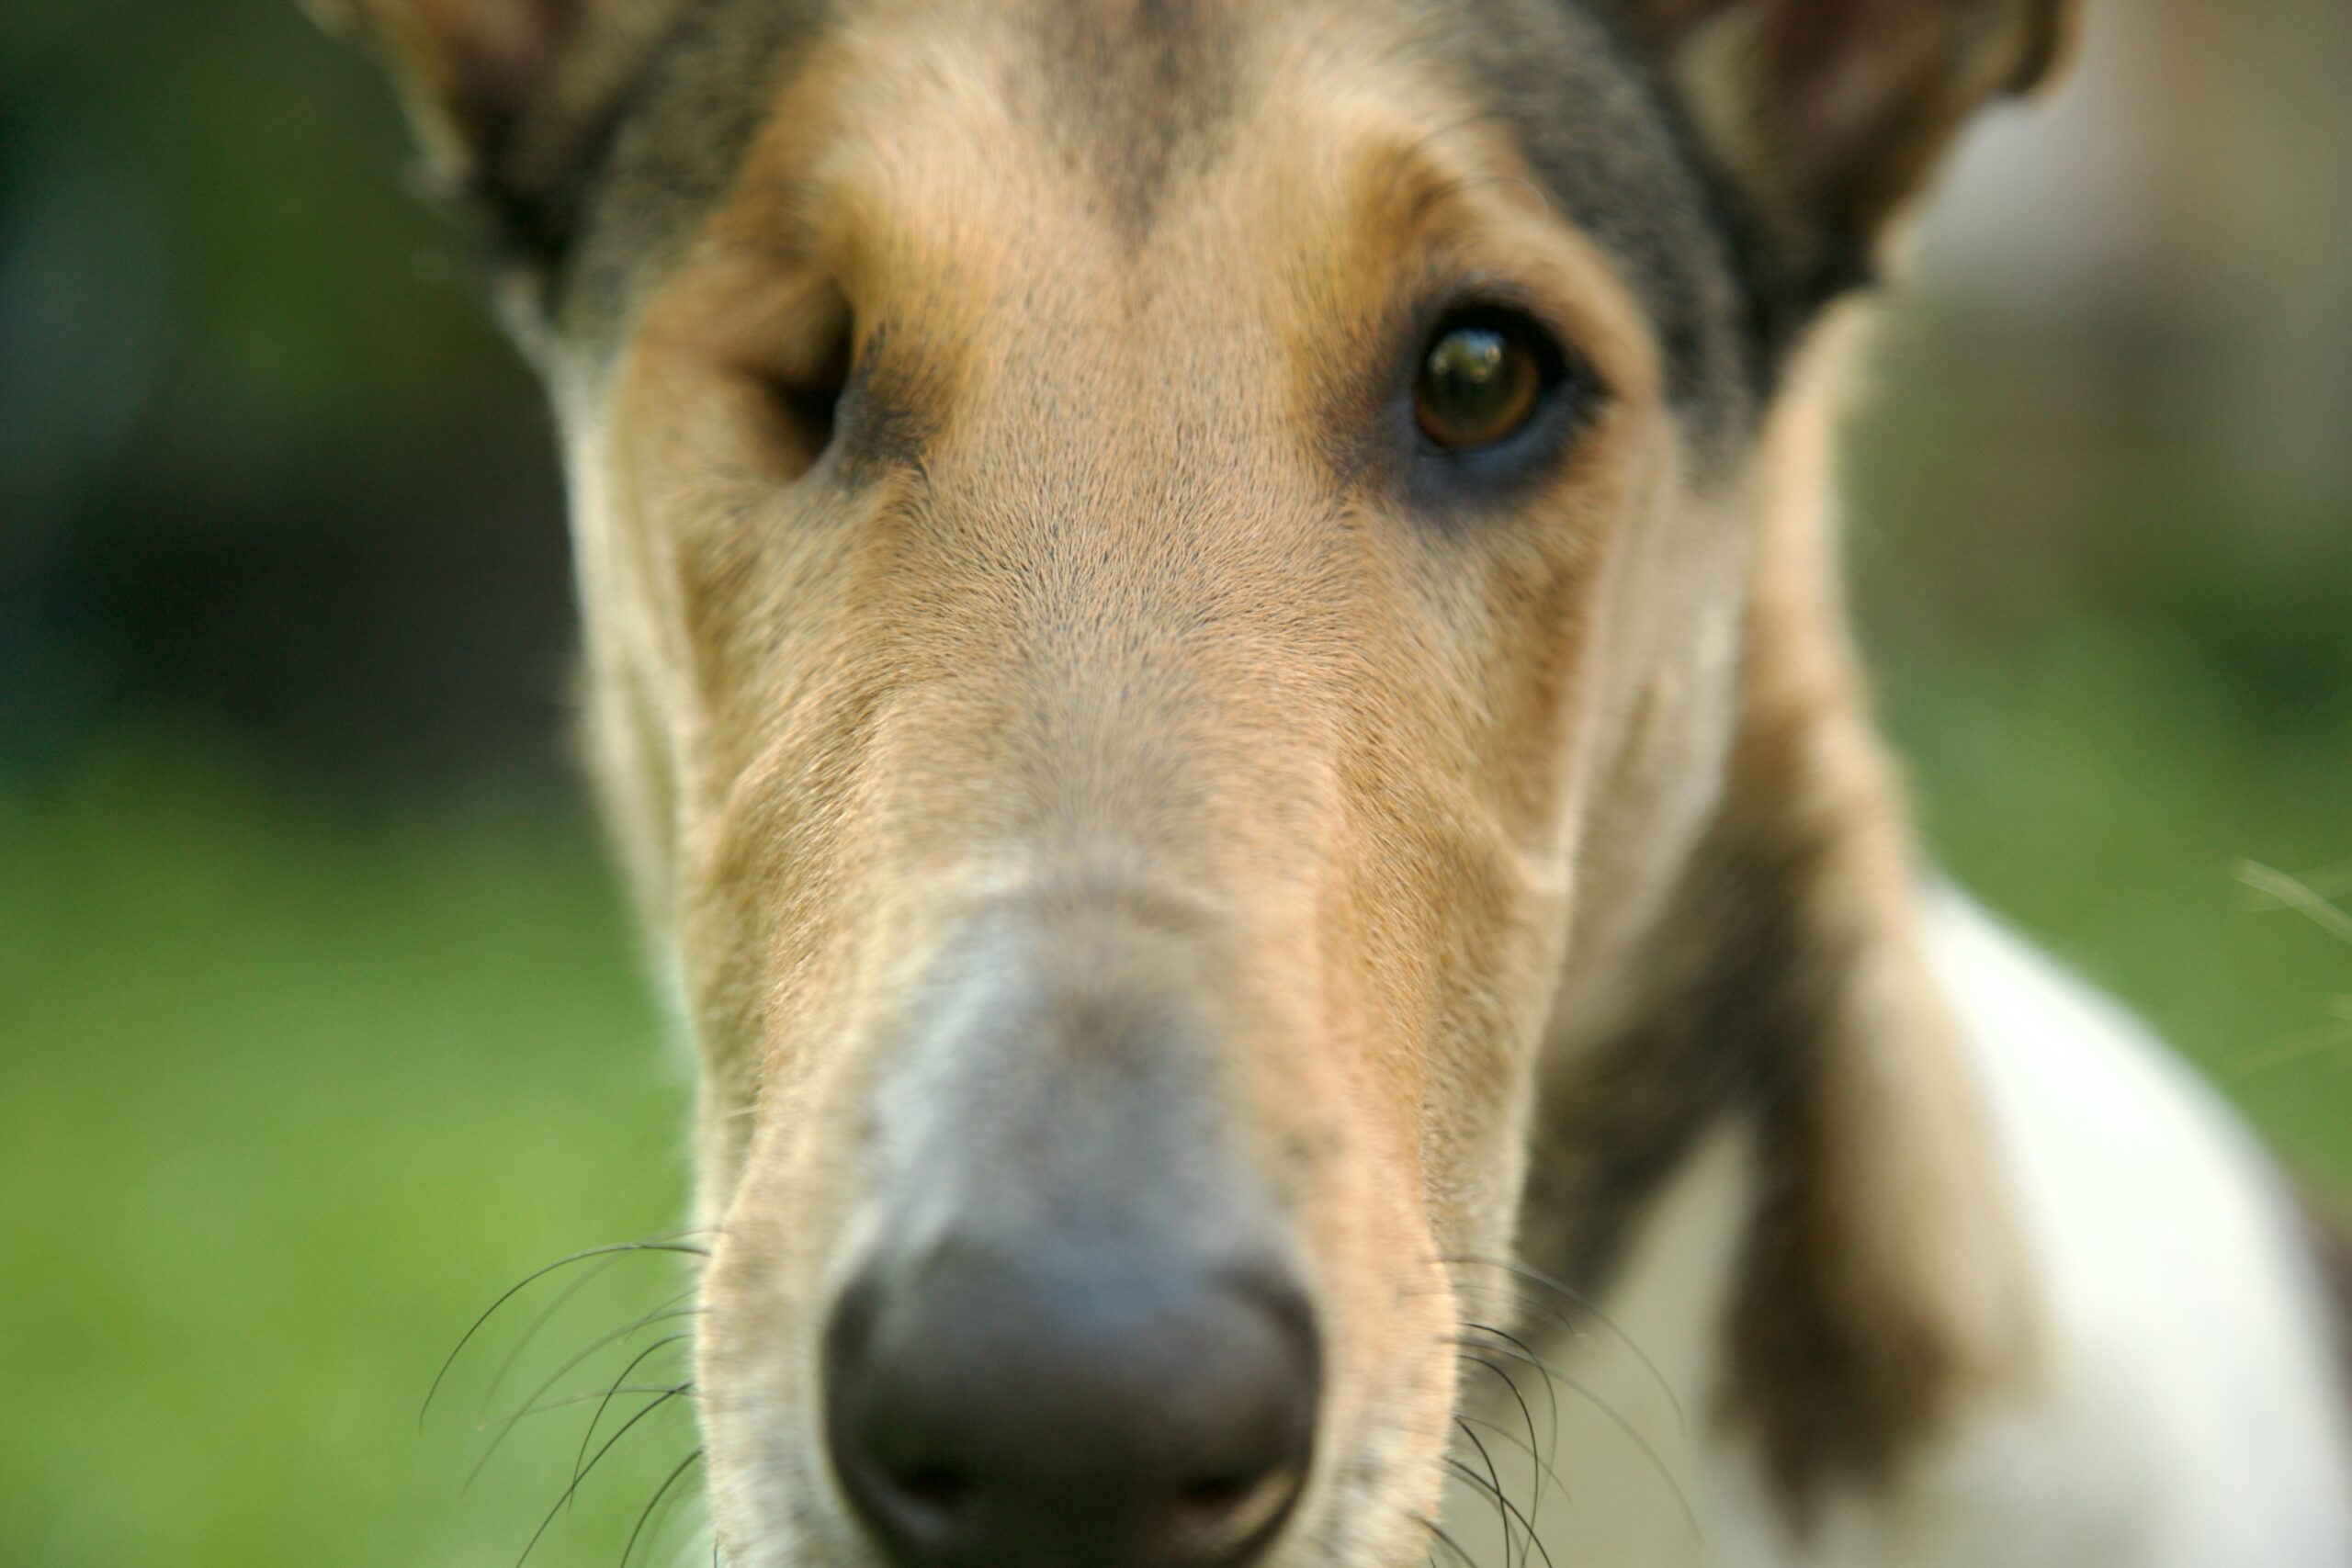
(2190, 1412)
(2193, 1415)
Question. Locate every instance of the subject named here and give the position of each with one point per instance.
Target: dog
(1213, 643)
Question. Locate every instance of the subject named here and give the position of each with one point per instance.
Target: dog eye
(1482, 379)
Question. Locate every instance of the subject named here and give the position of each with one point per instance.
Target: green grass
(286, 1098)
(2102, 794)
(284, 1101)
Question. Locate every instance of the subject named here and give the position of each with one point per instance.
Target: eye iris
(1477, 386)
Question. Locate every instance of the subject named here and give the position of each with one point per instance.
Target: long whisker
(571, 1491)
(1632, 1434)
(661, 1310)
(683, 1465)
(1512, 1509)
(533, 1277)
(1503, 1434)
(1495, 1476)
(586, 1278)
(1586, 1305)
(531, 1404)
(1551, 1394)
(574, 1401)
(603, 1404)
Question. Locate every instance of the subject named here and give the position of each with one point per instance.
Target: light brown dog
(1214, 644)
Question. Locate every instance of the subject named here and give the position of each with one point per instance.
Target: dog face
(1159, 576)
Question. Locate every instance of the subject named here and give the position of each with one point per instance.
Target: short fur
(1014, 602)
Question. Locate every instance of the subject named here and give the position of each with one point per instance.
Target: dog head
(1161, 577)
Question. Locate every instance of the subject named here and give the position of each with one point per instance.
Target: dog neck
(1780, 990)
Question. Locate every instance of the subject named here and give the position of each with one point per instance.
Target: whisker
(574, 1401)
(683, 1465)
(1551, 1394)
(605, 1403)
(1503, 1434)
(666, 1395)
(531, 1404)
(657, 1244)
(1586, 1305)
(1632, 1434)
(1378, 1421)
(546, 1314)
(1474, 1478)
(1495, 1476)
(1437, 1533)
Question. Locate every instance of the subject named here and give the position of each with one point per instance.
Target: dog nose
(987, 1410)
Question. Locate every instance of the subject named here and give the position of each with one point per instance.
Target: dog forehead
(1130, 97)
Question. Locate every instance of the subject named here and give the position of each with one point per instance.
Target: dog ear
(472, 71)
(508, 96)
(1829, 115)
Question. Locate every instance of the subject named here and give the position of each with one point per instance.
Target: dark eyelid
(1441, 479)
(1475, 293)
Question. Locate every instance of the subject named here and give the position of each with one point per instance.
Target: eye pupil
(1479, 386)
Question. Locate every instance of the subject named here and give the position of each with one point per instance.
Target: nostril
(935, 1487)
(924, 1510)
(1221, 1495)
(999, 1410)
(1213, 1518)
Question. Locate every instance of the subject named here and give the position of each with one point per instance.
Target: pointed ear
(1829, 115)
(506, 95)
(471, 70)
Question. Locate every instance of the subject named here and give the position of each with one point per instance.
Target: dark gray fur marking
(677, 148)
(1738, 1031)
(1131, 91)
(1585, 107)
(1136, 90)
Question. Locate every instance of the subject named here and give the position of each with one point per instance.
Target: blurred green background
(321, 1023)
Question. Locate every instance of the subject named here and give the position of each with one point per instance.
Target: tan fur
(1098, 605)
(1915, 1239)
(1338, 847)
